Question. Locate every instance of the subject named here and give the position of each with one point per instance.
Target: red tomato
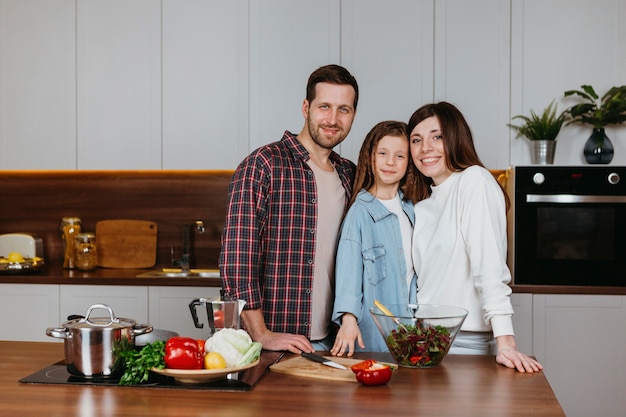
(370, 372)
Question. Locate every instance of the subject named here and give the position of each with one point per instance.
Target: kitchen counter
(462, 386)
(102, 276)
(105, 276)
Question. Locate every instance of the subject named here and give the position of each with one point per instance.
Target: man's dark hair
(333, 74)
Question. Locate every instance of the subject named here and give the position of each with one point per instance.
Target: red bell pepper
(182, 353)
(370, 372)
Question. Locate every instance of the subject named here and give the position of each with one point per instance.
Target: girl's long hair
(364, 177)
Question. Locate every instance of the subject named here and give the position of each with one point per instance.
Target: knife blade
(319, 358)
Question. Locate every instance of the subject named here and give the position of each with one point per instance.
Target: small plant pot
(543, 152)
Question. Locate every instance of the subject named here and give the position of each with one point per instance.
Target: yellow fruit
(213, 360)
(15, 257)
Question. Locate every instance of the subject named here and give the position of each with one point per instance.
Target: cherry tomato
(370, 372)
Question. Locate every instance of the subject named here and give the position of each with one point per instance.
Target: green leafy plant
(544, 126)
(595, 111)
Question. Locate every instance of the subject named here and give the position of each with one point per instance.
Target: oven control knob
(613, 178)
(538, 178)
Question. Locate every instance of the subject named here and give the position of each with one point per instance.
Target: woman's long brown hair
(458, 145)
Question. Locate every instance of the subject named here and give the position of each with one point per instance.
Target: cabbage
(236, 346)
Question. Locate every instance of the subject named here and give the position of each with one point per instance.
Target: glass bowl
(419, 335)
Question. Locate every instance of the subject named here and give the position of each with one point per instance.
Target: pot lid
(110, 322)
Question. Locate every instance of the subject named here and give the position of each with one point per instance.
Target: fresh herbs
(139, 363)
(417, 346)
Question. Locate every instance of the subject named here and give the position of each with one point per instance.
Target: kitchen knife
(319, 358)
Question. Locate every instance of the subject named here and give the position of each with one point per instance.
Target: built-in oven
(569, 225)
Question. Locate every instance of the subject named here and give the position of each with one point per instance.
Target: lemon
(15, 257)
(214, 360)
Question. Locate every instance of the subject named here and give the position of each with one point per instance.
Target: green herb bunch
(139, 363)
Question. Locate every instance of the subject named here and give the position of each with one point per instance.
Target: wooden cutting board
(300, 366)
(126, 243)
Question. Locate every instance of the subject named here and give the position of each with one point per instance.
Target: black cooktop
(57, 373)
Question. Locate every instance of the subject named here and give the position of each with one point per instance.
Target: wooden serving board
(300, 366)
(126, 244)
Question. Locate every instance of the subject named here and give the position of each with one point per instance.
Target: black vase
(598, 148)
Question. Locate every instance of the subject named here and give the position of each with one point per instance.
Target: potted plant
(598, 112)
(541, 130)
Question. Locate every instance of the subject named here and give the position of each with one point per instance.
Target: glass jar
(70, 227)
(85, 250)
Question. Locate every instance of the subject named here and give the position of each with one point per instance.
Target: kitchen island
(461, 386)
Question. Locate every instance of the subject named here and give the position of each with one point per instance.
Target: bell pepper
(183, 353)
(370, 372)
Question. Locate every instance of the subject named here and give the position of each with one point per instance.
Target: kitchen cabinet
(37, 84)
(388, 46)
(581, 342)
(205, 84)
(118, 82)
(523, 321)
(169, 309)
(161, 84)
(130, 302)
(27, 310)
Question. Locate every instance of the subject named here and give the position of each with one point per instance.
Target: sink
(194, 273)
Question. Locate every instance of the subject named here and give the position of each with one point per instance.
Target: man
(285, 206)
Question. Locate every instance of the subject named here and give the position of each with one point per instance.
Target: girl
(459, 241)
(373, 256)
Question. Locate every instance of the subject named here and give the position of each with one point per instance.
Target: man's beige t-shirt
(331, 199)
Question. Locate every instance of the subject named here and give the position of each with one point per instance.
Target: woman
(459, 238)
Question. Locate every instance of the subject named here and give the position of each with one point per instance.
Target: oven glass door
(571, 240)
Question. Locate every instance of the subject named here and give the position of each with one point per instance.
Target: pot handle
(194, 313)
(58, 332)
(101, 306)
(141, 329)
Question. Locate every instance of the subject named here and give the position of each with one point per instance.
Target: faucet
(198, 226)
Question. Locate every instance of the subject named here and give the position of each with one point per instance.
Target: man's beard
(322, 140)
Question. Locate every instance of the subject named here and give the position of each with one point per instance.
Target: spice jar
(70, 227)
(85, 250)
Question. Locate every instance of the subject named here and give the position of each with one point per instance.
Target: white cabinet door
(388, 46)
(27, 310)
(523, 322)
(130, 302)
(169, 309)
(37, 84)
(560, 45)
(119, 84)
(205, 84)
(288, 40)
(581, 342)
(472, 63)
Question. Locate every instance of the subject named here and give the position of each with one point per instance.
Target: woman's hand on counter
(509, 356)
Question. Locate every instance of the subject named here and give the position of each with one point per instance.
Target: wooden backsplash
(35, 201)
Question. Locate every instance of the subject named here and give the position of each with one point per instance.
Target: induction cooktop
(57, 373)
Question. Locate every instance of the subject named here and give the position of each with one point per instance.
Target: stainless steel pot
(92, 343)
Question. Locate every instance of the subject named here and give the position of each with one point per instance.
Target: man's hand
(255, 325)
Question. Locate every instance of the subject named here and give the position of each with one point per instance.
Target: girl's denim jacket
(371, 265)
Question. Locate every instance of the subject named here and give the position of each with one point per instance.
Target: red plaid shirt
(268, 244)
